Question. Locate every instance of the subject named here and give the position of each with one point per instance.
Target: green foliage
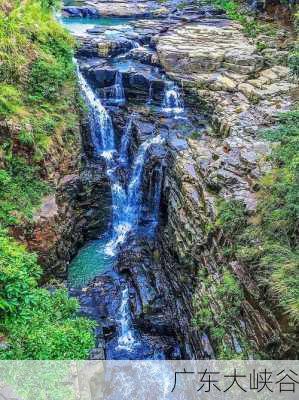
(18, 274)
(46, 329)
(293, 62)
(38, 98)
(195, 135)
(20, 191)
(10, 100)
(217, 310)
(37, 95)
(39, 325)
(251, 26)
(47, 78)
(268, 243)
(231, 217)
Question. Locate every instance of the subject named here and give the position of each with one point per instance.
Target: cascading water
(118, 93)
(126, 339)
(134, 187)
(125, 141)
(172, 102)
(129, 209)
(150, 95)
(99, 120)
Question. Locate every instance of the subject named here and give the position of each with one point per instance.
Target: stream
(134, 112)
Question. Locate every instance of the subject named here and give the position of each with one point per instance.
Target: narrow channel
(114, 86)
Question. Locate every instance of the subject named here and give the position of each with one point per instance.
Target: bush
(37, 94)
(18, 274)
(20, 191)
(38, 324)
(293, 62)
(46, 328)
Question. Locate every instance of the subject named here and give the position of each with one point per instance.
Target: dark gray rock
(80, 12)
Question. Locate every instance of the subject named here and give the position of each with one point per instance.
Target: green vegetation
(38, 108)
(226, 295)
(251, 25)
(266, 243)
(294, 55)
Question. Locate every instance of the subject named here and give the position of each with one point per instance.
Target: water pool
(90, 262)
(78, 25)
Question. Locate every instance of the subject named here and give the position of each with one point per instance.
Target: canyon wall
(242, 89)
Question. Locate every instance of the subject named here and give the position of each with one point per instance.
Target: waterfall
(103, 138)
(130, 203)
(135, 45)
(126, 203)
(126, 336)
(134, 188)
(118, 93)
(172, 102)
(150, 95)
(157, 195)
(126, 139)
(101, 127)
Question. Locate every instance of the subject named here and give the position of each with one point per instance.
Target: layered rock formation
(243, 92)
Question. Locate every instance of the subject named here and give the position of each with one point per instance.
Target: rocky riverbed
(176, 96)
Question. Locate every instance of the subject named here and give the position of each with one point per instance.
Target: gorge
(151, 145)
(145, 226)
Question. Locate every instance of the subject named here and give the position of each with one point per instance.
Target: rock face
(80, 12)
(223, 72)
(78, 212)
(128, 8)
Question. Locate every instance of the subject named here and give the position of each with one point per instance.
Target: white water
(125, 140)
(126, 201)
(134, 189)
(100, 122)
(126, 337)
(118, 93)
(172, 102)
(129, 211)
(150, 95)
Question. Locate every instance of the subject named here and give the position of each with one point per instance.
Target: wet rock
(140, 82)
(80, 12)
(102, 76)
(129, 8)
(178, 144)
(97, 354)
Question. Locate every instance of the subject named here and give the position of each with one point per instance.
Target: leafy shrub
(18, 274)
(226, 295)
(231, 217)
(37, 92)
(46, 328)
(38, 324)
(269, 243)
